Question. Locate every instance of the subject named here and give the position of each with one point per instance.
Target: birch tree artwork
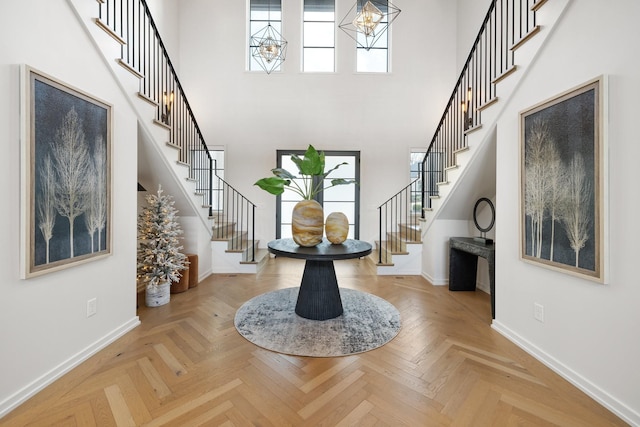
(69, 192)
(560, 171)
(71, 156)
(47, 203)
(96, 214)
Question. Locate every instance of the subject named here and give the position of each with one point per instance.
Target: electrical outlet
(92, 307)
(538, 312)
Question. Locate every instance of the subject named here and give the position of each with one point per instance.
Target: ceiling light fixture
(268, 46)
(367, 21)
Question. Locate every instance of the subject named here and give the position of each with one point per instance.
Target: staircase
(399, 247)
(411, 222)
(234, 248)
(459, 166)
(399, 254)
(168, 134)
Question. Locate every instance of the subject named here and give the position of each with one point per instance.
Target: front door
(343, 198)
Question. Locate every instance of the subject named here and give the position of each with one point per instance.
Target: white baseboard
(483, 287)
(605, 399)
(434, 281)
(444, 282)
(204, 275)
(43, 381)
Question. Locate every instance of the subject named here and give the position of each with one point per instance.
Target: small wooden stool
(183, 284)
(193, 267)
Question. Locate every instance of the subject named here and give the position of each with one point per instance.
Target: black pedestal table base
(319, 296)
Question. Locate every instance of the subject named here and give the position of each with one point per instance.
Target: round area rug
(269, 321)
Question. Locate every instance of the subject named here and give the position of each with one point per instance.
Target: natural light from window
(261, 13)
(376, 59)
(319, 34)
(417, 155)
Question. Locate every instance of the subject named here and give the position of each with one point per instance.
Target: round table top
(325, 251)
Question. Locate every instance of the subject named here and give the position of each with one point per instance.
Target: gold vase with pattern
(307, 223)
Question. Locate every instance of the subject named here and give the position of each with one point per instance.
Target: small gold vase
(336, 227)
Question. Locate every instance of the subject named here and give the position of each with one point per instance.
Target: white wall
(165, 14)
(590, 331)
(44, 329)
(197, 241)
(435, 255)
(254, 114)
(470, 14)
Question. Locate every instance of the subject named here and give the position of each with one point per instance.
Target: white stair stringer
(407, 263)
(401, 252)
(474, 173)
(228, 262)
(232, 250)
(153, 137)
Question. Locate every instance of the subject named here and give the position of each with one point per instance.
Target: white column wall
(590, 330)
(44, 329)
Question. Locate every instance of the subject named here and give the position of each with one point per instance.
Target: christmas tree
(159, 257)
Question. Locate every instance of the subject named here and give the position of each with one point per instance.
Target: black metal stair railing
(232, 213)
(399, 221)
(507, 24)
(145, 55)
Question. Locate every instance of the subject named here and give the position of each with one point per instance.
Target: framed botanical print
(66, 194)
(562, 182)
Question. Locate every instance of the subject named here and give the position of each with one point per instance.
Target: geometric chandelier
(268, 47)
(368, 20)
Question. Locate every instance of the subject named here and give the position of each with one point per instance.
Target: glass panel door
(343, 198)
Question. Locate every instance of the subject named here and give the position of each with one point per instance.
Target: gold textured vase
(307, 223)
(336, 227)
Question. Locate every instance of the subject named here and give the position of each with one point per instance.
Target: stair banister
(491, 59)
(390, 215)
(486, 69)
(144, 54)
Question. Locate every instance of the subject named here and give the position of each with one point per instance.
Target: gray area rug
(269, 321)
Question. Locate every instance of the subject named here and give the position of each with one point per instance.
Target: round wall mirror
(480, 204)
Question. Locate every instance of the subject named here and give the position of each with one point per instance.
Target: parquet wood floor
(187, 366)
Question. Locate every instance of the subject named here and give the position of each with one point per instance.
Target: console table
(319, 296)
(463, 265)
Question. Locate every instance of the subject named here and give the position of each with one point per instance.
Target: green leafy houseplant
(311, 165)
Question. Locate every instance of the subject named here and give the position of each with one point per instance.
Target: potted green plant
(308, 216)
